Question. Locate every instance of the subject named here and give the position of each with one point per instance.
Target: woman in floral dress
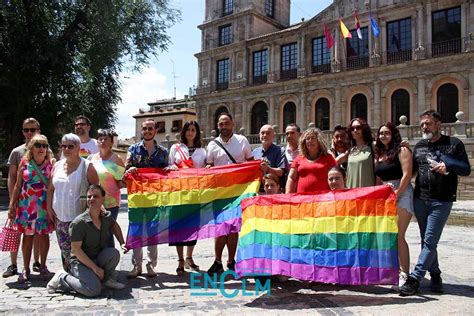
(28, 204)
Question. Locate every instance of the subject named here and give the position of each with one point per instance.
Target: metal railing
(288, 74)
(357, 62)
(324, 68)
(445, 48)
(397, 57)
(259, 79)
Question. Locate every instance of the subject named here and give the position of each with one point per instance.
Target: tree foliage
(62, 58)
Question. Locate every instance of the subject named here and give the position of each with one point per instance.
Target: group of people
(78, 196)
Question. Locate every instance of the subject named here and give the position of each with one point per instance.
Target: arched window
(359, 106)
(219, 111)
(289, 114)
(259, 117)
(448, 102)
(400, 106)
(322, 114)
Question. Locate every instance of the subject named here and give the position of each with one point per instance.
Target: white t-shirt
(238, 146)
(198, 157)
(89, 148)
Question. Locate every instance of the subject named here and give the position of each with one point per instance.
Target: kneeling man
(92, 262)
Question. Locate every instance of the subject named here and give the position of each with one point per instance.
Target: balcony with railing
(356, 62)
(445, 48)
(222, 85)
(323, 68)
(259, 79)
(397, 57)
(289, 74)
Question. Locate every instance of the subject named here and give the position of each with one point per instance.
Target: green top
(93, 240)
(360, 168)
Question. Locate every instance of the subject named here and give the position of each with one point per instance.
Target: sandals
(24, 277)
(190, 265)
(180, 270)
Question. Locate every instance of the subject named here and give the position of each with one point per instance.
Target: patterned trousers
(64, 241)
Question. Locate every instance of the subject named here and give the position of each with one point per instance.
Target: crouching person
(92, 261)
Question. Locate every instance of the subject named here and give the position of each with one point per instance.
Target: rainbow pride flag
(342, 237)
(188, 204)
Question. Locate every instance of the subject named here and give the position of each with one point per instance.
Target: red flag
(329, 38)
(359, 33)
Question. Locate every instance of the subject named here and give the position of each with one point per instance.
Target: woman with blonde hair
(28, 203)
(309, 171)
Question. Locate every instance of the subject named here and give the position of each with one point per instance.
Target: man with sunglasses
(30, 128)
(340, 144)
(145, 154)
(82, 127)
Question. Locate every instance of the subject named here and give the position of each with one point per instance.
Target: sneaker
(150, 271)
(114, 285)
(36, 266)
(215, 268)
(231, 265)
(136, 271)
(53, 284)
(10, 271)
(436, 285)
(402, 279)
(411, 287)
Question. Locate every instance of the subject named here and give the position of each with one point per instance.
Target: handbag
(186, 162)
(9, 237)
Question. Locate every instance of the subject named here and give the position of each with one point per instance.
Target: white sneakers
(53, 284)
(402, 278)
(114, 285)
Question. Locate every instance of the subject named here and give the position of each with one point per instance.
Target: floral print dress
(31, 215)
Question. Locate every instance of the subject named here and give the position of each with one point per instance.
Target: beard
(427, 136)
(79, 131)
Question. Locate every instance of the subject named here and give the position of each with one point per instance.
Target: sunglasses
(80, 124)
(356, 128)
(29, 130)
(40, 145)
(70, 147)
(149, 129)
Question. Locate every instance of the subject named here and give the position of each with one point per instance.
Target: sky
(156, 81)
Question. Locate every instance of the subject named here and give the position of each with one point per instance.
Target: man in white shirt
(82, 127)
(239, 149)
(293, 133)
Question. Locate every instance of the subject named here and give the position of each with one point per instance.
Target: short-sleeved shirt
(360, 168)
(274, 154)
(313, 176)
(291, 154)
(93, 240)
(16, 155)
(89, 148)
(198, 155)
(238, 146)
(139, 157)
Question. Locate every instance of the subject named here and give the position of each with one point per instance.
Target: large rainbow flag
(343, 237)
(188, 204)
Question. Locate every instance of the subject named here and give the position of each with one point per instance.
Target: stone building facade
(261, 69)
(169, 115)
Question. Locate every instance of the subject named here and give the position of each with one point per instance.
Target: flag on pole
(359, 33)
(375, 27)
(345, 32)
(329, 38)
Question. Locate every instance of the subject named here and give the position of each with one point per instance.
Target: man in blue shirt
(273, 159)
(146, 154)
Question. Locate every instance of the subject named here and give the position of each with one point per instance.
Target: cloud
(138, 89)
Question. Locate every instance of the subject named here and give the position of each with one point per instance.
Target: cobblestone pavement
(169, 293)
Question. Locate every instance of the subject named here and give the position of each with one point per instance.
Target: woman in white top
(188, 153)
(67, 187)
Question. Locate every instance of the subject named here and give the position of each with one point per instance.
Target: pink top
(313, 176)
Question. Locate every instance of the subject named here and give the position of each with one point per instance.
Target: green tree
(62, 58)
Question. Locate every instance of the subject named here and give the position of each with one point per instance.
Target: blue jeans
(431, 216)
(114, 212)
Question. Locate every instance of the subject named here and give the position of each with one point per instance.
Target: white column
(429, 38)
(376, 118)
(419, 25)
(301, 116)
(271, 111)
(421, 99)
(463, 24)
(337, 107)
(471, 96)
